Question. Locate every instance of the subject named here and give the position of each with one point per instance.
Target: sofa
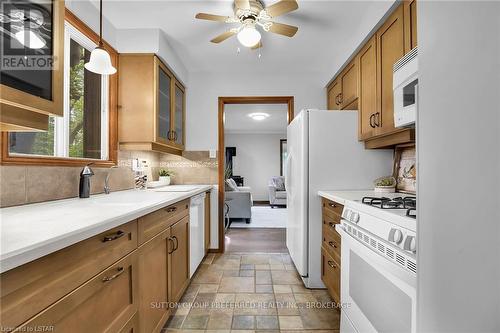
(238, 201)
(277, 191)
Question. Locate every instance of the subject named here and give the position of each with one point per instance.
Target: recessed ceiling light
(259, 116)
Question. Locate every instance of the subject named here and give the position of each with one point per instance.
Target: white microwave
(405, 86)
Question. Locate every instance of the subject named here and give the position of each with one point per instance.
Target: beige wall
(21, 185)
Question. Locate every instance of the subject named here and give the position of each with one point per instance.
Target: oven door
(378, 295)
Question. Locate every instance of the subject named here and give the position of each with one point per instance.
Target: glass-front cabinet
(31, 76)
(152, 105)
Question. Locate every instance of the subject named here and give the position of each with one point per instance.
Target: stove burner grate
(409, 202)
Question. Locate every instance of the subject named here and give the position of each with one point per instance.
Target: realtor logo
(26, 35)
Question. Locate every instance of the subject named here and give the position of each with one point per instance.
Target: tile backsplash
(21, 185)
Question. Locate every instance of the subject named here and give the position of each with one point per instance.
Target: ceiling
(329, 31)
(236, 119)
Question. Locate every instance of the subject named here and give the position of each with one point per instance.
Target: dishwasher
(196, 231)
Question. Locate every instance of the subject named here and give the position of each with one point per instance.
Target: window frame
(109, 148)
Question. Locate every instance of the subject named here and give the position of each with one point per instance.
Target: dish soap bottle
(85, 175)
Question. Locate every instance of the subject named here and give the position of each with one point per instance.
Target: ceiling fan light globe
(249, 36)
(100, 62)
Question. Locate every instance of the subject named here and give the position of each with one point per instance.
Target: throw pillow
(279, 183)
(232, 184)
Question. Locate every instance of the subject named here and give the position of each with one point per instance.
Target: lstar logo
(26, 35)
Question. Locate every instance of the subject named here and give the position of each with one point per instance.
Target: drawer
(132, 326)
(332, 206)
(104, 304)
(154, 223)
(330, 220)
(30, 288)
(331, 242)
(330, 274)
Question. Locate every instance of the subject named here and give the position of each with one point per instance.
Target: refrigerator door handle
(287, 175)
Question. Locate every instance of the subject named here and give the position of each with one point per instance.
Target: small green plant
(385, 181)
(165, 173)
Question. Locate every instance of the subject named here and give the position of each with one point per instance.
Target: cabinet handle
(331, 225)
(341, 98)
(331, 264)
(333, 205)
(171, 209)
(176, 136)
(112, 277)
(332, 244)
(113, 237)
(176, 245)
(376, 119)
(372, 120)
(170, 239)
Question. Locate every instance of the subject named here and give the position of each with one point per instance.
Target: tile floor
(251, 292)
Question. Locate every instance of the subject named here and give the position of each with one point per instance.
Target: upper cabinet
(343, 91)
(151, 105)
(32, 64)
(365, 84)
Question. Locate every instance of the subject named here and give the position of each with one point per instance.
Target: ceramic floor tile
(305, 298)
(322, 318)
(290, 323)
(220, 320)
(243, 322)
(175, 321)
(266, 322)
(196, 321)
(208, 276)
(238, 284)
(263, 277)
(231, 273)
(262, 267)
(264, 288)
(255, 304)
(255, 259)
(282, 289)
(247, 266)
(285, 277)
(247, 273)
(208, 288)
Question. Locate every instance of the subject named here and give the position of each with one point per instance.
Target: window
(84, 130)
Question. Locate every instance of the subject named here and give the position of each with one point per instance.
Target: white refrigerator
(323, 154)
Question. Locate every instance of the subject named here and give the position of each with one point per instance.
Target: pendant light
(100, 61)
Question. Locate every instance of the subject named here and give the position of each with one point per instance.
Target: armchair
(277, 191)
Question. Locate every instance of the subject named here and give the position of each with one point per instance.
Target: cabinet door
(164, 107)
(179, 259)
(390, 48)
(349, 84)
(367, 60)
(333, 96)
(103, 304)
(153, 282)
(330, 275)
(179, 115)
(410, 24)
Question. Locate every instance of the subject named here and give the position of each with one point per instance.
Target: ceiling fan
(250, 14)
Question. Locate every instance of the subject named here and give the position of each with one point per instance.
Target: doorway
(232, 108)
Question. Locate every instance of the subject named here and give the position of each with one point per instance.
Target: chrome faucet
(107, 189)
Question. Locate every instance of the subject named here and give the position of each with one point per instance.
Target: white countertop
(353, 199)
(32, 231)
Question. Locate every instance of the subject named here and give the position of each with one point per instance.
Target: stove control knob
(355, 217)
(410, 244)
(346, 214)
(396, 236)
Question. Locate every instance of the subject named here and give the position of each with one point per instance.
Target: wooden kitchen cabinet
(331, 247)
(410, 24)
(367, 77)
(151, 105)
(343, 92)
(390, 42)
(29, 96)
(334, 92)
(103, 304)
(153, 283)
(179, 259)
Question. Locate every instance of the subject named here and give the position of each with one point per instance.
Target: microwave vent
(406, 59)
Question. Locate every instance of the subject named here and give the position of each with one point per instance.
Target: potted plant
(385, 184)
(164, 176)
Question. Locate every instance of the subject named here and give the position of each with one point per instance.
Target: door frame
(289, 100)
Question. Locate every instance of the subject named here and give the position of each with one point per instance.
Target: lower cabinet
(153, 282)
(179, 259)
(330, 248)
(102, 304)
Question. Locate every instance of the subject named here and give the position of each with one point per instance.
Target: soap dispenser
(85, 181)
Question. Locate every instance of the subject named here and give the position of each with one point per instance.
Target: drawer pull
(171, 240)
(333, 205)
(171, 209)
(112, 277)
(113, 237)
(331, 264)
(331, 225)
(332, 244)
(176, 243)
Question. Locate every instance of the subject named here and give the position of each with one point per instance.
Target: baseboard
(261, 203)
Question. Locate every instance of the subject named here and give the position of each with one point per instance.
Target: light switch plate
(212, 153)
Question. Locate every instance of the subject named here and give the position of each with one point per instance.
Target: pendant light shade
(100, 61)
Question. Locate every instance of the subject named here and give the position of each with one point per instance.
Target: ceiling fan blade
(222, 37)
(282, 7)
(242, 4)
(283, 29)
(257, 46)
(211, 17)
